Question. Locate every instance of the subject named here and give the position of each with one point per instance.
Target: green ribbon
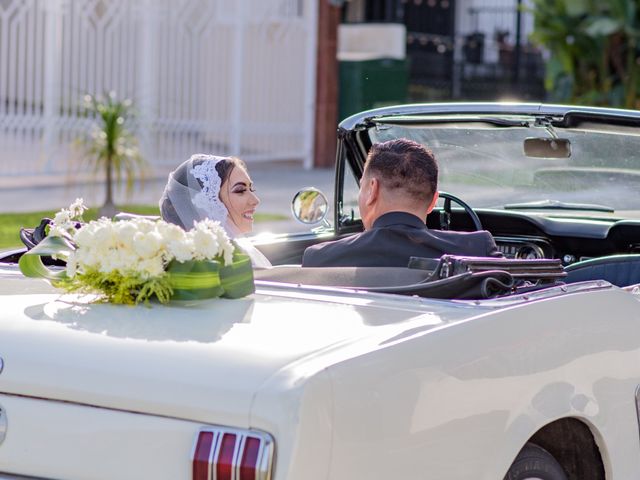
(199, 279)
(31, 264)
(195, 279)
(237, 278)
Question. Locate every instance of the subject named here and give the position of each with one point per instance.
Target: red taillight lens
(201, 455)
(249, 461)
(224, 461)
(232, 455)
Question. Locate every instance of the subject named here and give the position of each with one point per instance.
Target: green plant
(112, 147)
(593, 49)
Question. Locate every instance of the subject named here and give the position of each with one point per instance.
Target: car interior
(559, 240)
(587, 240)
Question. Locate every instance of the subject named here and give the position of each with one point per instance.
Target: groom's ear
(372, 191)
(432, 204)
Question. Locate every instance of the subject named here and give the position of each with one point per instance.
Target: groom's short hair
(405, 166)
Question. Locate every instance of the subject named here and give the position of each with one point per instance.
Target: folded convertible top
(448, 277)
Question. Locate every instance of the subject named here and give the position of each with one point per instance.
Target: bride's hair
(226, 166)
(182, 179)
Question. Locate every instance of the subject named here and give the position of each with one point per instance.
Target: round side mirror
(309, 205)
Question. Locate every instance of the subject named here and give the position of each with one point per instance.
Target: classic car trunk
(201, 361)
(101, 391)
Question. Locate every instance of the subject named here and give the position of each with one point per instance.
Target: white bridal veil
(192, 194)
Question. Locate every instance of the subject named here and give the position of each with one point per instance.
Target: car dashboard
(571, 239)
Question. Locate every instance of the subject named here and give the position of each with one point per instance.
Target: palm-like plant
(594, 49)
(112, 147)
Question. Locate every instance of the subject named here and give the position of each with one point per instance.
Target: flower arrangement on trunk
(135, 260)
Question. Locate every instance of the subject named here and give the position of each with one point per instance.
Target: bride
(218, 188)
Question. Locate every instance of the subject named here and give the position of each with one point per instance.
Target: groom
(399, 187)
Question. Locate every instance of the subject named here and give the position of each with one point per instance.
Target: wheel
(445, 215)
(535, 463)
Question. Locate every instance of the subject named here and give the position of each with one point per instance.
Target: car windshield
(594, 167)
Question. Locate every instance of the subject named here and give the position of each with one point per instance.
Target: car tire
(535, 463)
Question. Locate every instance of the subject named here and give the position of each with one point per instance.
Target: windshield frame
(355, 138)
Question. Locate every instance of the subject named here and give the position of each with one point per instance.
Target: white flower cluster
(144, 247)
(64, 223)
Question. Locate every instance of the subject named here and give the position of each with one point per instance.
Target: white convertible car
(526, 367)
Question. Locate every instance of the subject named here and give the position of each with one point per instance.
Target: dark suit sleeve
(338, 253)
(310, 256)
(319, 255)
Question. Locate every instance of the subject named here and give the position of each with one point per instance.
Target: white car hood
(203, 360)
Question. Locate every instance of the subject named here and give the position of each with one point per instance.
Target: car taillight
(230, 454)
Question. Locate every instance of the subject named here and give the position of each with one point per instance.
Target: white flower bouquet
(134, 260)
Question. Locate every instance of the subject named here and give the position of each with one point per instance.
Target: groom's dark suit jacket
(392, 239)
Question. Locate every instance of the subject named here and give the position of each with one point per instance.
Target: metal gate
(229, 77)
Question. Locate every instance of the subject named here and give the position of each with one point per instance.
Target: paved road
(276, 183)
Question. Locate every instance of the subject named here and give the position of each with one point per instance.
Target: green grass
(10, 223)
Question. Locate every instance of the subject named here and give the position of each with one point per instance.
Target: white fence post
(237, 79)
(52, 67)
(311, 17)
(146, 96)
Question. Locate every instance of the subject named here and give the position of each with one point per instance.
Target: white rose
(84, 235)
(170, 232)
(83, 260)
(120, 260)
(125, 231)
(205, 244)
(151, 267)
(226, 247)
(181, 250)
(105, 236)
(143, 225)
(147, 244)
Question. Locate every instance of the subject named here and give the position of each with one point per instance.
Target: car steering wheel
(445, 213)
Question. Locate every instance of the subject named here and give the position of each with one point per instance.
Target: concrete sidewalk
(276, 184)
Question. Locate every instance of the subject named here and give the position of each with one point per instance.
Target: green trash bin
(371, 83)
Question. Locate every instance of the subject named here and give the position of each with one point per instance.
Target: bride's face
(238, 195)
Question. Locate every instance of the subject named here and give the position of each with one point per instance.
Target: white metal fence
(232, 77)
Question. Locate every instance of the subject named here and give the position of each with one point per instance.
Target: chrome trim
(3, 424)
(238, 451)
(267, 449)
(535, 109)
(544, 293)
(213, 455)
(539, 253)
(1, 364)
(638, 407)
(9, 476)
